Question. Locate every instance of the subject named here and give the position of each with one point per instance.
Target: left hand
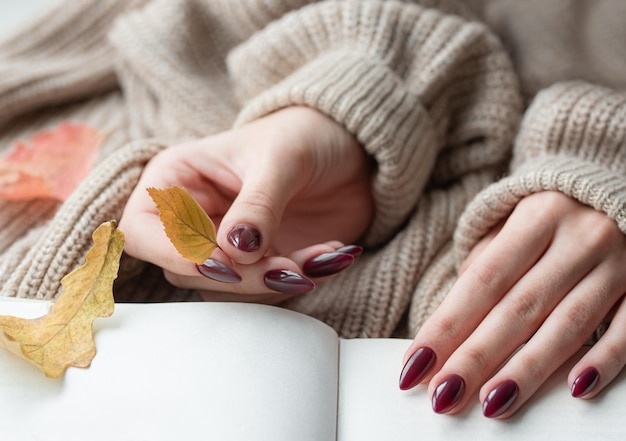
(285, 191)
(543, 281)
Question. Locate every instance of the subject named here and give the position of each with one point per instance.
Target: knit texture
(429, 92)
(572, 140)
(560, 40)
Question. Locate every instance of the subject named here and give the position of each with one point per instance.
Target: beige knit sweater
(427, 87)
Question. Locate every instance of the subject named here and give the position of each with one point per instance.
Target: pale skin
(295, 171)
(546, 277)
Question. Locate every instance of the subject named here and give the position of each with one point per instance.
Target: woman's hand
(286, 193)
(542, 283)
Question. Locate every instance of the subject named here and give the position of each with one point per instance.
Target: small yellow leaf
(64, 336)
(189, 228)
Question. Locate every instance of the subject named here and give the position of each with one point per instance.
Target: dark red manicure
(287, 282)
(500, 398)
(354, 250)
(327, 264)
(448, 393)
(417, 367)
(245, 238)
(585, 382)
(216, 270)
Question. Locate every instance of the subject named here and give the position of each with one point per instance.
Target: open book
(229, 371)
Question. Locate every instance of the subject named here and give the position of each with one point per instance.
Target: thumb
(250, 225)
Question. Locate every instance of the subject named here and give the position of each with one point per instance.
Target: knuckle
(483, 275)
(524, 308)
(480, 358)
(542, 204)
(261, 203)
(578, 324)
(600, 232)
(615, 356)
(448, 327)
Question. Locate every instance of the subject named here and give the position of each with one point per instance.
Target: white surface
(227, 371)
(372, 407)
(188, 372)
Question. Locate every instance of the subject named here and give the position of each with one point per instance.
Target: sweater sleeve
(430, 96)
(59, 56)
(573, 140)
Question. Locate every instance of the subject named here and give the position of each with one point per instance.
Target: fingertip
(288, 282)
(585, 382)
(500, 399)
(417, 367)
(244, 237)
(218, 271)
(327, 264)
(242, 242)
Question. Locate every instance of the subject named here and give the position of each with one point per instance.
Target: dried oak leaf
(52, 165)
(64, 336)
(186, 224)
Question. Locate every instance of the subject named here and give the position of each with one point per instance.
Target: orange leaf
(186, 223)
(53, 164)
(64, 336)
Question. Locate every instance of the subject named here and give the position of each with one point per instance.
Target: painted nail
(288, 282)
(448, 393)
(327, 264)
(500, 398)
(585, 382)
(354, 250)
(245, 237)
(216, 270)
(417, 367)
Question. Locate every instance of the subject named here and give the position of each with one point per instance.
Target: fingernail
(585, 382)
(417, 367)
(288, 282)
(327, 264)
(500, 398)
(216, 270)
(245, 238)
(448, 393)
(354, 250)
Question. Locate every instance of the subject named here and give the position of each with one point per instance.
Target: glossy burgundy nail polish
(287, 282)
(417, 367)
(448, 393)
(585, 382)
(245, 238)
(500, 398)
(354, 250)
(216, 270)
(327, 264)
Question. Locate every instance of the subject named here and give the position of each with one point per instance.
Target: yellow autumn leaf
(189, 228)
(64, 336)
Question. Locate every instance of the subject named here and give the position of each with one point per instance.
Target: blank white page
(186, 371)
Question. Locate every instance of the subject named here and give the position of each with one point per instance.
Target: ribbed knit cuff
(572, 140)
(408, 82)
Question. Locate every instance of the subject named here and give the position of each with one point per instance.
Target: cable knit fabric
(427, 87)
